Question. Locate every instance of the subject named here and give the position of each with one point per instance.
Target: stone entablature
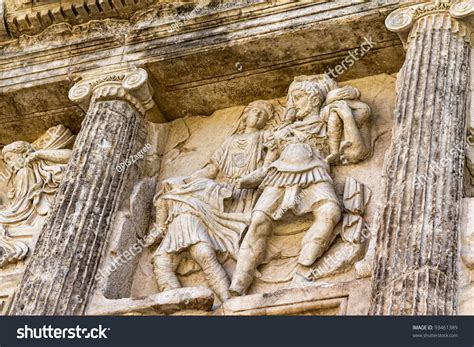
(32, 17)
(37, 71)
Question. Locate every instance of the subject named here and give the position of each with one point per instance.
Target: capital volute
(459, 12)
(129, 84)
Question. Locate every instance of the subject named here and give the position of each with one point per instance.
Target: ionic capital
(130, 85)
(441, 14)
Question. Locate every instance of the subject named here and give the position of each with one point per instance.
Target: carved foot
(239, 284)
(220, 287)
(303, 277)
(235, 290)
(310, 252)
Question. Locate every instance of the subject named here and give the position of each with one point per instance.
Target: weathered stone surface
(29, 181)
(417, 244)
(4, 34)
(469, 174)
(350, 298)
(30, 17)
(219, 169)
(88, 198)
(197, 147)
(188, 299)
(216, 60)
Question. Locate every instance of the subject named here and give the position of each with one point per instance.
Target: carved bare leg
(320, 235)
(251, 252)
(164, 271)
(216, 276)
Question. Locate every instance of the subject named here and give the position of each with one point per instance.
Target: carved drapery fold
(418, 231)
(11, 250)
(61, 272)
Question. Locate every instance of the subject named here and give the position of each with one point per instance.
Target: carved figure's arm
(253, 179)
(60, 156)
(209, 171)
(354, 148)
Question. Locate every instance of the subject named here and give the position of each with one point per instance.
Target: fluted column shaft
(416, 252)
(60, 274)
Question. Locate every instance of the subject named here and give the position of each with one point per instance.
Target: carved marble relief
(11, 250)
(275, 200)
(208, 211)
(299, 180)
(33, 173)
(276, 164)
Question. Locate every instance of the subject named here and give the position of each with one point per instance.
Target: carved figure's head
(257, 114)
(306, 95)
(15, 154)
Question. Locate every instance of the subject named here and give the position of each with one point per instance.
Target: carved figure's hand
(344, 93)
(32, 157)
(333, 158)
(252, 180)
(342, 109)
(155, 235)
(236, 182)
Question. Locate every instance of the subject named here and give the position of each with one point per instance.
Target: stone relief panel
(201, 181)
(32, 172)
(207, 212)
(30, 175)
(281, 195)
(299, 180)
